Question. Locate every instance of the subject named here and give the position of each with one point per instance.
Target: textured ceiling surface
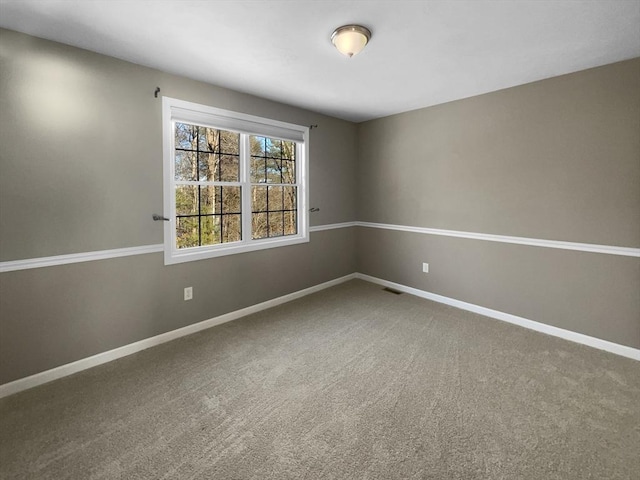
(422, 53)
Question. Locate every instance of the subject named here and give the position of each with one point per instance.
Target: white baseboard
(598, 343)
(86, 363)
(104, 357)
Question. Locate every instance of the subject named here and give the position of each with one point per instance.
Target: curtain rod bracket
(155, 94)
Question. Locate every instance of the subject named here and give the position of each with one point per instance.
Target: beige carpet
(350, 383)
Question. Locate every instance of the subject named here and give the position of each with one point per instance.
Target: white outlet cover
(425, 267)
(188, 293)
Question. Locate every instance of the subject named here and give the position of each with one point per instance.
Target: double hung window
(233, 182)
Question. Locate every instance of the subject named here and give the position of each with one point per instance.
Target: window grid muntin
(176, 110)
(244, 154)
(200, 183)
(217, 150)
(265, 182)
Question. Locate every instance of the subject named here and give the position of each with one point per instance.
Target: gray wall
(81, 138)
(81, 170)
(557, 159)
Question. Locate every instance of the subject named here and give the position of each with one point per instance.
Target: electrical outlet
(425, 267)
(188, 293)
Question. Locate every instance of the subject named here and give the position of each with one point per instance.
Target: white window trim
(180, 110)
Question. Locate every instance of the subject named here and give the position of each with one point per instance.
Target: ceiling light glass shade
(350, 39)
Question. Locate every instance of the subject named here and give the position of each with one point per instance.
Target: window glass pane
(290, 225)
(209, 166)
(274, 174)
(187, 232)
(218, 229)
(288, 171)
(186, 136)
(258, 146)
(259, 225)
(186, 200)
(219, 168)
(210, 199)
(231, 228)
(208, 139)
(276, 226)
(231, 199)
(186, 166)
(289, 194)
(289, 150)
(229, 143)
(258, 199)
(210, 229)
(274, 148)
(258, 170)
(218, 141)
(275, 198)
(230, 168)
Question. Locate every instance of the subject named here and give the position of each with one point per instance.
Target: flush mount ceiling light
(350, 39)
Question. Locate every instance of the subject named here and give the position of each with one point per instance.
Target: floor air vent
(391, 290)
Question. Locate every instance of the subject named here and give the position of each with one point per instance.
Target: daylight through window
(233, 182)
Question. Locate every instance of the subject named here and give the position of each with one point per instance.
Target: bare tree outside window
(208, 212)
(273, 190)
(208, 187)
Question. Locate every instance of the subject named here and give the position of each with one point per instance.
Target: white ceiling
(421, 53)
